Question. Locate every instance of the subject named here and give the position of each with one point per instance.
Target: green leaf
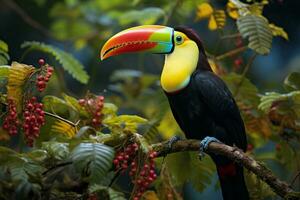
(4, 57)
(4, 71)
(109, 109)
(71, 101)
(196, 172)
(56, 105)
(145, 16)
(130, 122)
(68, 62)
(278, 31)
(292, 81)
(94, 157)
(247, 90)
(38, 155)
(21, 166)
(26, 190)
(285, 103)
(256, 29)
(3, 46)
(104, 192)
(57, 150)
(258, 189)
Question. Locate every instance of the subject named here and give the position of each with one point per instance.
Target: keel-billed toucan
(200, 101)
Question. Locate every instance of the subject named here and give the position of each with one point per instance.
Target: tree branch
(281, 188)
(26, 18)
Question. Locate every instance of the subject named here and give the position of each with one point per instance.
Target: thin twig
(230, 36)
(295, 178)
(246, 69)
(26, 18)
(60, 118)
(171, 12)
(231, 53)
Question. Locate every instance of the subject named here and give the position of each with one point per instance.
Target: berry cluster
(141, 177)
(145, 177)
(11, 121)
(94, 106)
(123, 157)
(44, 75)
(34, 118)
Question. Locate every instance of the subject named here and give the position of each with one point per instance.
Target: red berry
(41, 83)
(143, 173)
(50, 69)
(249, 147)
(120, 158)
(146, 166)
(29, 106)
(238, 62)
(278, 147)
(101, 98)
(41, 61)
(115, 161)
(81, 101)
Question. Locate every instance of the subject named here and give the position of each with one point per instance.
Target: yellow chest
(179, 67)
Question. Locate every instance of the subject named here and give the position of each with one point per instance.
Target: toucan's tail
(232, 181)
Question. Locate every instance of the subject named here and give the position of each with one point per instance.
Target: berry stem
(62, 119)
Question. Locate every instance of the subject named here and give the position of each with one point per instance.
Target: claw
(173, 140)
(204, 144)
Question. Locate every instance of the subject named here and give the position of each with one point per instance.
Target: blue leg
(173, 140)
(204, 144)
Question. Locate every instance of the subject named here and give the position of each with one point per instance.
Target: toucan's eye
(179, 39)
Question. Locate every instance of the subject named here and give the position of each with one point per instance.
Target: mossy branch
(281, 188)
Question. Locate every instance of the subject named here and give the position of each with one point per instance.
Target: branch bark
(281, 188)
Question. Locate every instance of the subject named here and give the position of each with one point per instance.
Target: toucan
(200, 101)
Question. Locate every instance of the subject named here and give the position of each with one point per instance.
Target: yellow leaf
(215, 67)
(205, 10)
(127, 122)
(4, 136)
(64, 128)
(278, 31)
(150, 195)
(220, 18)
(79, 44)
(232, 10)
(19, 73)
(168, 126)
(212, 24)
(256, 9)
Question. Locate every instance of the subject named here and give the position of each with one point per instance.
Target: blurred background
(81, 27)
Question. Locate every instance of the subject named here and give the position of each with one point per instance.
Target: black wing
(217, 97)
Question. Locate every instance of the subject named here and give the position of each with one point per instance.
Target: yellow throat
(179, 66)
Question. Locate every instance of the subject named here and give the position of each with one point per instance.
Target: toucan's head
(182, 46)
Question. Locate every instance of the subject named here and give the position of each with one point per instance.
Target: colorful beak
(148, 38)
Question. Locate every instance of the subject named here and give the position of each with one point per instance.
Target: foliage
(74, 157)
(4, 56)
(95, 159)
(67, 61)
(256, 29)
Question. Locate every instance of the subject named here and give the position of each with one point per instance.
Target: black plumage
(206, 107)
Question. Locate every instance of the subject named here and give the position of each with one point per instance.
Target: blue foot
(204, 144)
(173, 140)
